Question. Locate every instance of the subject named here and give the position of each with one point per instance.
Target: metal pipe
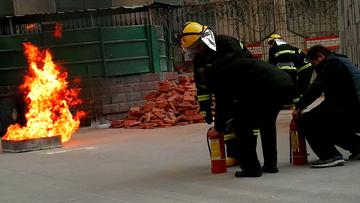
(92, 93)
(11, 28)
(91, 19)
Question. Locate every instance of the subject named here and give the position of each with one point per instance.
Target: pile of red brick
(174, 103)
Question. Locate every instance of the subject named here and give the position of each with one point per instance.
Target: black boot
(248, 173)
(269, 169)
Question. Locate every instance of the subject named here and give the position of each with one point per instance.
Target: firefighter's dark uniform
(224, 45)
(240, 86)
(336, 120)
(293, 61)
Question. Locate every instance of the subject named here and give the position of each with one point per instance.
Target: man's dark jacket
(339, 80)
(224, 45)
(242, 81)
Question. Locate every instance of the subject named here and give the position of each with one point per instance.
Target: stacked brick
(174, 103)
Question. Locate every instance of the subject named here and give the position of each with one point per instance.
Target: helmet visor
(209, 39)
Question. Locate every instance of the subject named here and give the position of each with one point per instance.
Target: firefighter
(201, 44)
(293, 61)
(335, 120)
(240, 86)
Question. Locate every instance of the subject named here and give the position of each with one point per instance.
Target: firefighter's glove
(296, 114)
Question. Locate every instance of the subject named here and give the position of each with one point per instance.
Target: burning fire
(49, 101)
(30, 26)
(58, 29)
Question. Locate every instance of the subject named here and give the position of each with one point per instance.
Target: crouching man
(336, 120)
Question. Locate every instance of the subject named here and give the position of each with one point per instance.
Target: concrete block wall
(349, 27)
(107, 99)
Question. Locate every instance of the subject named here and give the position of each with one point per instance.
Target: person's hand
(209, 117)
(296, 114)
(213, 133)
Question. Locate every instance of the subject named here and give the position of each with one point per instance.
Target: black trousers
(258, 114)
(232, 149)
(324, 127)
(231, 142)
(293, 75)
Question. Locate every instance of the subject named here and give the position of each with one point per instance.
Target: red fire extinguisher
(217, 154)
(298, 153)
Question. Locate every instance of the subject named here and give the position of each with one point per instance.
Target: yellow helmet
(274, 36)
(191, 33)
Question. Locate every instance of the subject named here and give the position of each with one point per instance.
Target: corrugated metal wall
(6, 8)
(70, 5)
(131, 2)
(26, 7)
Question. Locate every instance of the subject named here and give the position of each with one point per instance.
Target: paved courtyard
(163, 165)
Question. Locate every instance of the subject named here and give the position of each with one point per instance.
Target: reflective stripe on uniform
(296, 100)
(284, 52)
(287, 68)
(256, 132)
(204, 97)
(304, 67)
(229, 137)
(241, 45)
(204, 113)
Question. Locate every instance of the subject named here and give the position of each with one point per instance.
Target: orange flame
(30, 26)
(49, 101)
(58, 29)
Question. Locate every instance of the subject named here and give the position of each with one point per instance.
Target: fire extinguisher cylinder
(217, 153)
(297, 146)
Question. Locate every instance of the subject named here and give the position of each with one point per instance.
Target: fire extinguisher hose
(207, 139)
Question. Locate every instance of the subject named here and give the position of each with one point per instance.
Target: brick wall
(330, 42)
(255, 49)
(107, 99)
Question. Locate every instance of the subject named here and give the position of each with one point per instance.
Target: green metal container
(98, 51)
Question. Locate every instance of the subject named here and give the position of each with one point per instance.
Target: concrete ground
(163, 165)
